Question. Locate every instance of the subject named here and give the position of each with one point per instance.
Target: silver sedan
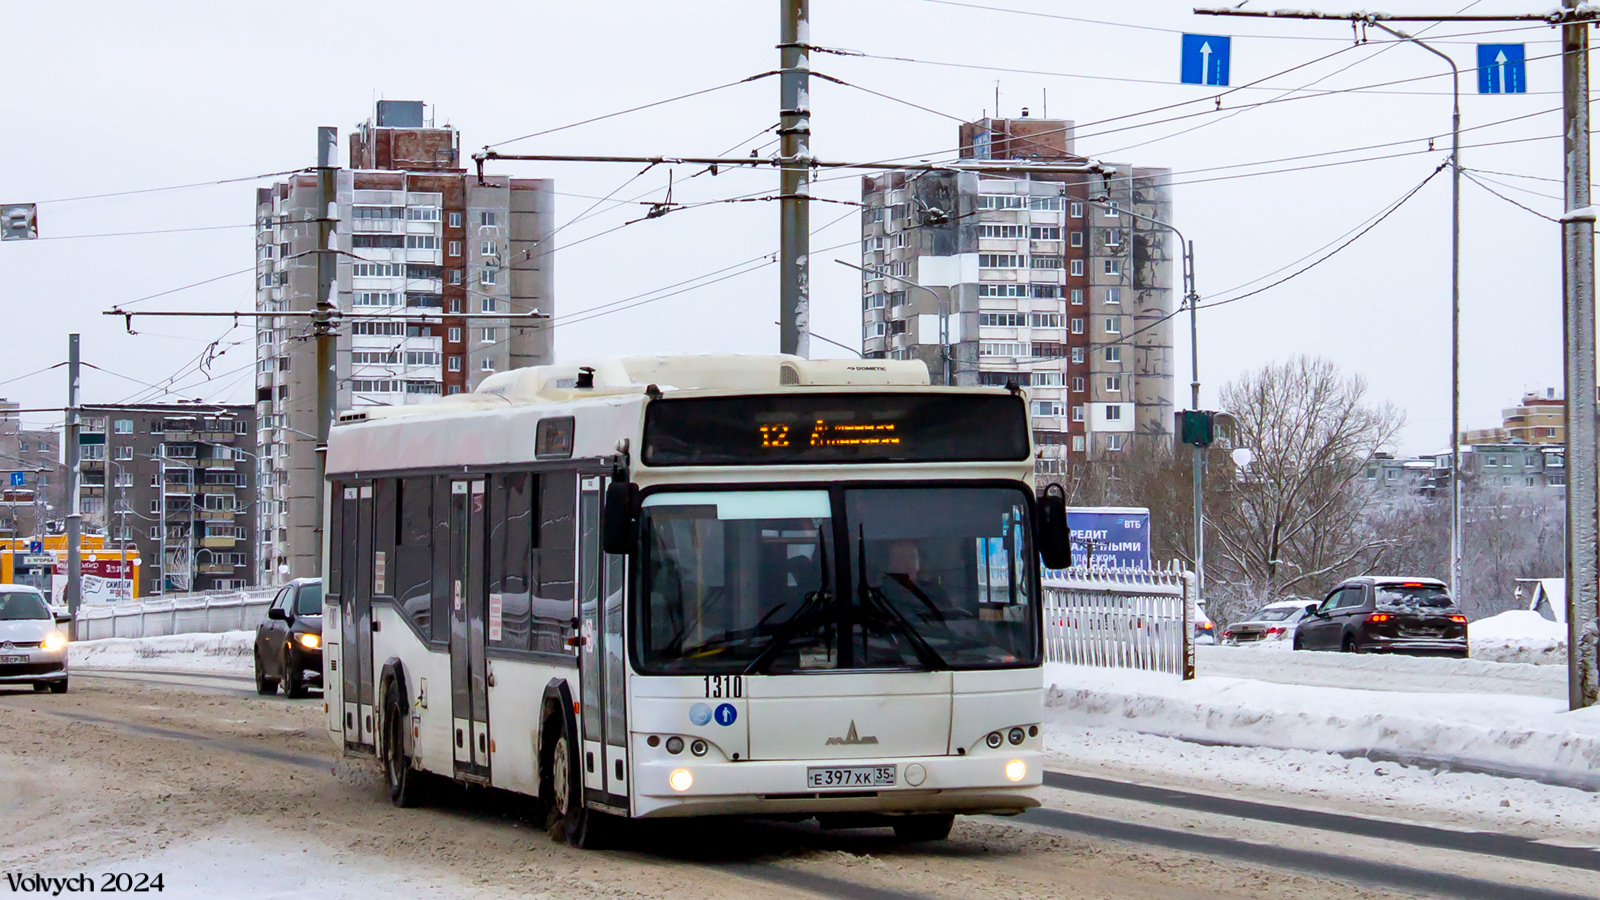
(33, 647)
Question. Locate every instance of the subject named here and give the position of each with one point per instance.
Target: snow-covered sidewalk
(226, 653)
(1504, 734)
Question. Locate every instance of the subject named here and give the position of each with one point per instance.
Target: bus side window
(556, 568)
(412, 564)
(510, 548)
(384, 524)
(334, 584)
(440, 529)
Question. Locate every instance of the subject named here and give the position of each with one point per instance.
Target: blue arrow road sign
(1205, 59)
(1502, 69)
(17, 479)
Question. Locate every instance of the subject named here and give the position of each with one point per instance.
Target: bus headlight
(310, 641)
(54, 641)
(681, 780)
(1016, 770)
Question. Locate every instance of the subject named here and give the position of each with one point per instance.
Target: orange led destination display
(828, 428)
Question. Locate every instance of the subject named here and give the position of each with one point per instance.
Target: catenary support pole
(1199, 460)
(1578, 335)
(794, 133)
(74, 503)
(322, 324)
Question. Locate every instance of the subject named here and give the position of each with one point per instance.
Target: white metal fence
(200, 613)
(1121, 618)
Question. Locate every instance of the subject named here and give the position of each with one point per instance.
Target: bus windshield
(774, 582)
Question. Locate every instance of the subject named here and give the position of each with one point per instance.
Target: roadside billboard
(103, 580)
(1116, 537)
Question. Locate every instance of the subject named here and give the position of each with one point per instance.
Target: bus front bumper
(976, 784)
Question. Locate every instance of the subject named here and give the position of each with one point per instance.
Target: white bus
(705, 585)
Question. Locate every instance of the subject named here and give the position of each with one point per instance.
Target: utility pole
(74, 510)
(1578, 337)
(322, 324)
(794, 133)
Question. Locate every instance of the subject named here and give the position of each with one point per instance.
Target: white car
(33, 646)
(1273, 622)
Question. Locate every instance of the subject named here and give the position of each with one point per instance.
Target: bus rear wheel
(933, 827)
(405, 784)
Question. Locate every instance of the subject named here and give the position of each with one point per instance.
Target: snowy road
(232, 795)
(1385, 672)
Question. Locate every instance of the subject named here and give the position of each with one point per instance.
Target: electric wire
(1131, 25)
(1525, 208)
(175, 187)
(634, 109)
(1335, 251)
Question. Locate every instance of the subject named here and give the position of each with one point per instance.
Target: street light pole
(1455, 304)
(1197, 465)
(944, 311)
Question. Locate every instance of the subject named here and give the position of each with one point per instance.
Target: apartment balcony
(218, 489)
(215, 515)
(216, 568)
(378, 226)
(225, 465)
(220, 543)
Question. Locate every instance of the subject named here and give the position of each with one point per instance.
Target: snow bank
(1519, 636)
(1517, 624)
(1498, 733)
(1381, 671)
(228, 652)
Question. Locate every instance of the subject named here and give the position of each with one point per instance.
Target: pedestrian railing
(1121, 618)
(207, 612)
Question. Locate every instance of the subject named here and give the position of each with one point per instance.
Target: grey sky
(116, 97)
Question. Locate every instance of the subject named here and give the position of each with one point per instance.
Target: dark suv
(289, 641)
(1382, 614)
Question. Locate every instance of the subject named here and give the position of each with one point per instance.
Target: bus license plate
(850, 777)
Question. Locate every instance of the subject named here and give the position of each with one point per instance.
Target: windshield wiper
(814, 604)
(929, 656)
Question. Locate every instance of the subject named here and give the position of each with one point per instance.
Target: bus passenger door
(602, 580)
(355, 620)
(469, 697)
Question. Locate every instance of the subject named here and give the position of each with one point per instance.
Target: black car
(289, 642)
(1380, 614)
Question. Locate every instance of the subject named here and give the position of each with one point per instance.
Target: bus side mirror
(1055, 541)
(620, 530)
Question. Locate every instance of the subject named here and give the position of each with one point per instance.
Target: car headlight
(1016, 770)
(310, 641)
(681, 780)
(54, 641)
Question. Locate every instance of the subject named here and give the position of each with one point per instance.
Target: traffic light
(19, 222)
(1197, 428)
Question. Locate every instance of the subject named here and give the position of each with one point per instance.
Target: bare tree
(1297, 516)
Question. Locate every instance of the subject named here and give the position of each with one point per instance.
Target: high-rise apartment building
(34, 506)
(421, 241)
(173, 483)
(1041, 281)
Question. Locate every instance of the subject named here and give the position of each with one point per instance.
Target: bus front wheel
(584, 828)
